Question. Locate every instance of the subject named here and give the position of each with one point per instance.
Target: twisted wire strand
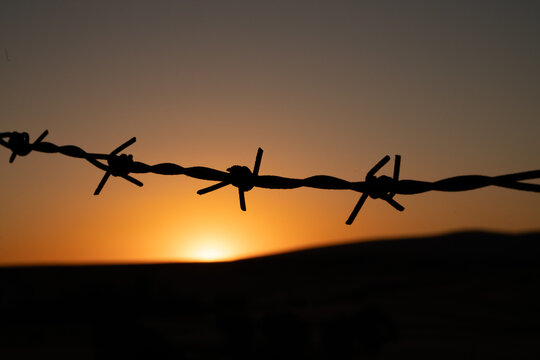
(382, 187)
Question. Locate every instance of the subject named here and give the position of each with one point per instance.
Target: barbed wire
(244, 179)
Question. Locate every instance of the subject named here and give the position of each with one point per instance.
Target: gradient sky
(324, 87)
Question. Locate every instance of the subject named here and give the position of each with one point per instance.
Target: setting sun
(208, 248)
(209, 253)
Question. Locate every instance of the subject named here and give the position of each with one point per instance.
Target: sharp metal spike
(41, 137)
(242, 199)
(378, 166)
(123, 146)
(397, 164)
(357, 209)
(212, 188)
(132, 180)
(258, 162)
(394, 203)
(102, 183)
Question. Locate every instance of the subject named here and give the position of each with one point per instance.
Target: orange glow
(323, 92)
(208, 248)
(209, 253)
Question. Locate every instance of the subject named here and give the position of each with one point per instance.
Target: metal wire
(244, 179)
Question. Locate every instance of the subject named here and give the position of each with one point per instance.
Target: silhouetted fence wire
(244, 179)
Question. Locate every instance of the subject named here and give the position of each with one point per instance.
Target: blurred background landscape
(464, 295)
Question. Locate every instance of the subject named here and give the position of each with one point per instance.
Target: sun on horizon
(207, 248)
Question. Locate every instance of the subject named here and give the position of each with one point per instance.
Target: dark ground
(460, 296)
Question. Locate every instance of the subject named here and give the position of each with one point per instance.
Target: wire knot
(378, 186)
(19, 143)
(241, 177)
(120, 165)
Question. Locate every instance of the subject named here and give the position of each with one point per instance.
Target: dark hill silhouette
(469, 295)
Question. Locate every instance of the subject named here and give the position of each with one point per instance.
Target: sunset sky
(324, 87)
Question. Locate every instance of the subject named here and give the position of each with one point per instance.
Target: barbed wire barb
(379, 187)
(118, 165)
(241, 177)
